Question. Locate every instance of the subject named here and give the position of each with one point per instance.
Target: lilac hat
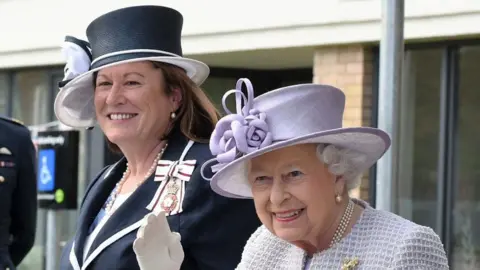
(298, 114)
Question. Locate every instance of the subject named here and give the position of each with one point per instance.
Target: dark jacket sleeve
(24, 205)
(221, 229)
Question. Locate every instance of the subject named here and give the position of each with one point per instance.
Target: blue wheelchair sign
(46, 170)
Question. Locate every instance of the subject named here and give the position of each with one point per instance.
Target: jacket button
(2, 179)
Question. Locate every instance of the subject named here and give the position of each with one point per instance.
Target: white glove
(156, 246)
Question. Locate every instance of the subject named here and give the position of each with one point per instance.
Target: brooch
(349, 264)
(170, 200)
(172, 176)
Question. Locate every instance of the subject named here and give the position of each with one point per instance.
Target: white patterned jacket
(379, 240)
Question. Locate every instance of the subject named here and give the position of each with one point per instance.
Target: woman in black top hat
(130, 78)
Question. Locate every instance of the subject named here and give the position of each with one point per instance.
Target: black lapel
(94, 201)
(134, 208)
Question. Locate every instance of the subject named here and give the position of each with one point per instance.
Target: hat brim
(74, 103)
(231, 181)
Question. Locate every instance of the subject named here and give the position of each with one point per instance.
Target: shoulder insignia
(17, 121)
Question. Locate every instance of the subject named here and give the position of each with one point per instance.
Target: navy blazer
(18, 193)
(214, 229)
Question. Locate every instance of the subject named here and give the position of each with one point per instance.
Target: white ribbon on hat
(78, 61)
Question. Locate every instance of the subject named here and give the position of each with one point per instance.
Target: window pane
(32, 105)
(418, 136)
(466, 235)
(4, 87)
(216, 87)
(31, 102)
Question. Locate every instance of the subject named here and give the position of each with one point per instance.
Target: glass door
(418, 136)
(439, 164)
(31, 104)
(465, 240)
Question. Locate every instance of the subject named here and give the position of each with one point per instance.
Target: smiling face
(293, 193)
(131, 102)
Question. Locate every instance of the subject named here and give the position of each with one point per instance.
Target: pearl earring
(338, 198)
(173, 115)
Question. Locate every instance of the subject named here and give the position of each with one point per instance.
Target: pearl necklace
(119, 185)
(342, 227)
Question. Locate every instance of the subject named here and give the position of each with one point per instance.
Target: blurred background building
(281, 43)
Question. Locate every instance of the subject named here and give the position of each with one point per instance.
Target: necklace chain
(119, 185)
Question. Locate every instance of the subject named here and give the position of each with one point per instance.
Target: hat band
(110, 58)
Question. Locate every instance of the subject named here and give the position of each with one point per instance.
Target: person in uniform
(18, 193)
(131, 80)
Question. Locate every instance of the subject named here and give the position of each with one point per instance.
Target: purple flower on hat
(240, 133)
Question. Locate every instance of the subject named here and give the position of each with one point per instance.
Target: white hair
(342, 162)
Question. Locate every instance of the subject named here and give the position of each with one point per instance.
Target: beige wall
(350, 69)
(33, 30)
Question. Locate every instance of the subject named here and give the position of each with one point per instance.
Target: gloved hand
(156, 246)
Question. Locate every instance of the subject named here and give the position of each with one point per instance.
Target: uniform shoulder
(13, 125)
(12, 121)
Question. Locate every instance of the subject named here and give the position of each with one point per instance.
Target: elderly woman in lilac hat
(287, 150)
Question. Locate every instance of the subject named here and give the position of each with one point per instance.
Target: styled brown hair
(196, 117)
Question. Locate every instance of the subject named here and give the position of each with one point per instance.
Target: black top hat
(144, 31)
(125, 35)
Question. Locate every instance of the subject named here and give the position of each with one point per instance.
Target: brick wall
(350, 69)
